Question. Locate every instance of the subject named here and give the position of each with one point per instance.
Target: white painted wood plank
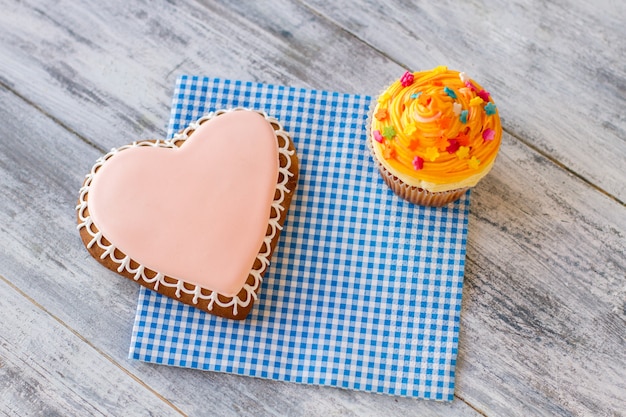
(42, 255)
(544, 310)
(46, 369)
(109, 71)
(555, 69)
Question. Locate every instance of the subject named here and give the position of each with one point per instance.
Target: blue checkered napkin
(364, 289)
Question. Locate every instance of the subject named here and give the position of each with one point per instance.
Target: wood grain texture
(544, 318)
(544, 312)
(87, 67)
(46, 369)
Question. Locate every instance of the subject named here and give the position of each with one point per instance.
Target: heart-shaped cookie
(196, 217)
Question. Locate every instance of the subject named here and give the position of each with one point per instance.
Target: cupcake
(433, 135)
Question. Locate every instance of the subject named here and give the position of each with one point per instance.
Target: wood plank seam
(479, 411)
(350, 34)
(88, 343)
(564, 167)
(51, 117)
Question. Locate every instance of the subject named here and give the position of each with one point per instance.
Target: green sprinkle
(389, 132)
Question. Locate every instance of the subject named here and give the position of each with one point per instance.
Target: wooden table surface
(543, 323)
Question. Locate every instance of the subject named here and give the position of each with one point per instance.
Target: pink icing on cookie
(198, 213)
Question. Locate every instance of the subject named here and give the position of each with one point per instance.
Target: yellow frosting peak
(440, 117)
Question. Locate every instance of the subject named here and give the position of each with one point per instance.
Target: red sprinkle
(454, 146)
(377, 136)
(489, 134)
(418, 163)
(407, 79)
(483, 94)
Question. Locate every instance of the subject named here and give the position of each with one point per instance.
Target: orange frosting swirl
(437, 130)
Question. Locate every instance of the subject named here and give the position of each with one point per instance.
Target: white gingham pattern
(364, 289)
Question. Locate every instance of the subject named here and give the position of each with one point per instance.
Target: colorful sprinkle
(440, 69)
(469, 85)
(444, 123)
(441, 142)
(476, 101)
(384, 97)
(389, 132)
(407, 79)
(377, 136)
(410, 129)
(483, 94)
(415, 95)
(456, 108)
(454, 146)
(464, 78)
(418, 163)
(463, 139)
(414, 144)
(489, 134)
(381, 114)
(389, 151)
(432, 153)
(463, 116)
(490, 109)
(473, 162)
(450, 92)
(462, 152)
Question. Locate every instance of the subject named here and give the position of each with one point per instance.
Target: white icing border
(181, 287)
